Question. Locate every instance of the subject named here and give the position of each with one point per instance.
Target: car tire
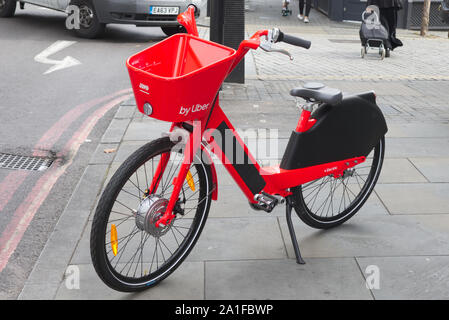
(7, 8)
(90, 25)
(171, 30)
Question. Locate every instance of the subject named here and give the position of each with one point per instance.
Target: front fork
(191, 147)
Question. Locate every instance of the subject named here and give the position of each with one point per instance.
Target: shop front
(409, 18)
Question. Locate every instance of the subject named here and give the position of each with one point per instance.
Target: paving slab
(104, 154)
(400, 171)
(126, 110)
(88, 188)
(420, 198)
(146, 130)
(418, 130)
(373, 235)
(221, 239)
(126, 149)
(187, 282)
(239, 238)
(232, 203)
(52, 263)
(434, 169)
(416, 147)
(285, 279)
(410, 278)
(114, 133)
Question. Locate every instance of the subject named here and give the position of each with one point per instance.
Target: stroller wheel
(382, 53)
(387, 53)
(363, 52)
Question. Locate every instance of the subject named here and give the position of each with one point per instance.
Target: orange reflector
(190, 181)
(114, 242)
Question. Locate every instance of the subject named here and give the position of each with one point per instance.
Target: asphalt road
(44, 114)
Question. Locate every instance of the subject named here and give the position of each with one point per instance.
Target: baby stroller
(373, 34)
(285, 10)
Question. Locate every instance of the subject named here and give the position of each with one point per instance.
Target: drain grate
(16, 162)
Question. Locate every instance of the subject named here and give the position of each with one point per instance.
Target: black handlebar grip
(295, 41)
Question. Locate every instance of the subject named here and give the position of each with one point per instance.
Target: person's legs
(391, 17)
(301, 7)
(308, 7)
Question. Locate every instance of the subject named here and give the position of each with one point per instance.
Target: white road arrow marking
(59, 45)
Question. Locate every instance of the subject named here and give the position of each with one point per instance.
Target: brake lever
(269, 49)
(267, 45)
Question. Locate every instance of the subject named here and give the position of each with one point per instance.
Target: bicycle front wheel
(328, 202)
(128, 251)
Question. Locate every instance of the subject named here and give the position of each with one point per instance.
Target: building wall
(409, 17)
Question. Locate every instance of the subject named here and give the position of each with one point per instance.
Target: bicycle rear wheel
(128, 251)
(328, 202)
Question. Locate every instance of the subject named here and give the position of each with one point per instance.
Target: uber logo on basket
(194, 108)
(144, 88)
(373, 277)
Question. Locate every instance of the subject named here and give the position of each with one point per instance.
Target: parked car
(94, 15)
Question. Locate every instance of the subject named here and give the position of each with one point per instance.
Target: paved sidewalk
(243, 254)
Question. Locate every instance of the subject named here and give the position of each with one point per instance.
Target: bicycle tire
(98, 245)
(305, 196)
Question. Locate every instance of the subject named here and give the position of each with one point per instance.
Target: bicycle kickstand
(288, 213)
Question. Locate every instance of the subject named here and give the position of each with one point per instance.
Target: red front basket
(179, 76)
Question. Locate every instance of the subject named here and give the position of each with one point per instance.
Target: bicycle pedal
(266, 202)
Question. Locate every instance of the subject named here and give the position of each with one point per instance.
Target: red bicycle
(155, 206)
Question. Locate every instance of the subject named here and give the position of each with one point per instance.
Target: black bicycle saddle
(318, 92)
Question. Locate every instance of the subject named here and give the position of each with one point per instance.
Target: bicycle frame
(248, 174)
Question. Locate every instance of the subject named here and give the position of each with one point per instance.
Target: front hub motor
(151, 209)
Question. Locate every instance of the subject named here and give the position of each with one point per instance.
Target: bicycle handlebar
(295, 41)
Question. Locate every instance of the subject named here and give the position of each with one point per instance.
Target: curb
(50, 268)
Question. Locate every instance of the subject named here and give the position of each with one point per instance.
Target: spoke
(140, 191)
(160, 239)
(124, 248)
(130, 262)
(125, 219)
(123, 214)
(118, 219)
(343, 195)
(138, 185)
(123, 238)
(364, 181)
(176, 228)
(140, 258)
(174, 235)
(146, 175)
(169, 177)
(138, 197)
(162, 252)
(124, 205)
(316, 195)
(152, 260)
(311, 192)
(324, 204)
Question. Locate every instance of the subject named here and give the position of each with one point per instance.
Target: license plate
(164, 10)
